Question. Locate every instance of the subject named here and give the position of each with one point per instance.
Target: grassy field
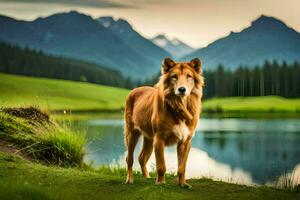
(265, 104)
(53, 94)
(20, 179)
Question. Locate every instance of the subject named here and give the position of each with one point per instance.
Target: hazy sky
(196, 22)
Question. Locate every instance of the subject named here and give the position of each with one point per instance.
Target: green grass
(54, 94)
(21, 179)
(37, 135)
(267, 104)
(51, 94)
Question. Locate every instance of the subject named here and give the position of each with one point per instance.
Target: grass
(37, 135)
(51, 94)
(289, 181)
(266, 104)
(20, 179)
(54, 95)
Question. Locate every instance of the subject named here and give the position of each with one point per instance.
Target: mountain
(75, 35)
(121, 28)
(175, 47)
(266, 39)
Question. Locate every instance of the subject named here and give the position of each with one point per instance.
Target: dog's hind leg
(145, 155)
(132, 141)
(131, 137)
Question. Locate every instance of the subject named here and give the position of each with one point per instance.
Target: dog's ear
(167, 64)
(196, 64)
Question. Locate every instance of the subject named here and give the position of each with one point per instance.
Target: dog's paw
(186, 186)
(129, 181)
(160, 182)
(146, 175)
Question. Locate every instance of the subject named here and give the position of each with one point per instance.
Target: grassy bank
(35, 134)
(21, 179)
(54, 94)
(81, 97)
(267, 104)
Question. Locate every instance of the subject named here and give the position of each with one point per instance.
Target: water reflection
(240, 151)
(293, 177)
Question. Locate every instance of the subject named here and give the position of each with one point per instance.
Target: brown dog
(165, 114)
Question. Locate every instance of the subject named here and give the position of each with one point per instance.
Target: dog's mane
(182, 108)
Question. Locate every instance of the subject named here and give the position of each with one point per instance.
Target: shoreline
(37, 181)
(24, 175)
(117, 113)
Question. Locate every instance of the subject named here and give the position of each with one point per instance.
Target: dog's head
(182, 78)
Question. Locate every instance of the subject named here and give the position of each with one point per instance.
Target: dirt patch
(9, 148)
(30, 113)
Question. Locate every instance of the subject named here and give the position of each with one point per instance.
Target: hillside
(52, 94)
(16, 60)
(267, 38)
(75, 35)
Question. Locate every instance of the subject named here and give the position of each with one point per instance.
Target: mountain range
(175, 47)
(79, 36)
(115, 44)
(150, 52)
(266, 39)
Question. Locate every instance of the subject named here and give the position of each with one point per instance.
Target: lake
(245, 151)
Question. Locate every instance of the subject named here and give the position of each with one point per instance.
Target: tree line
(24, 61)
(271, 78)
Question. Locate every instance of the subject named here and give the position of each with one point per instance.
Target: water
(246, 151)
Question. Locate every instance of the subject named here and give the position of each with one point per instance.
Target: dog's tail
(128, 124)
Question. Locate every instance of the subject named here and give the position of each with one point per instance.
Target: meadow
(59, 95)
(263, 104)
(54, 95)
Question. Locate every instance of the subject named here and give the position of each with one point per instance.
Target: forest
(271, 78)
(24, 61)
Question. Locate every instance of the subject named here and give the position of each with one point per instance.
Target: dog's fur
(164, 116)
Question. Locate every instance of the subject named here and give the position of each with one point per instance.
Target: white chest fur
(181, 130)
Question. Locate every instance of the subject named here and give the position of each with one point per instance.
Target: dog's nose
(182, 90)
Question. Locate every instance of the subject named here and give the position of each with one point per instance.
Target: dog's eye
(189, 76)
(174, 77)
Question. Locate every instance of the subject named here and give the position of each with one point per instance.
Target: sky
(196, 22)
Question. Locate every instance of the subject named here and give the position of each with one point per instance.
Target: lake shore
(71, 116)
(25, 177)
(22, 179)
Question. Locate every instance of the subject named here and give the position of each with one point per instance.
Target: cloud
(91, 3)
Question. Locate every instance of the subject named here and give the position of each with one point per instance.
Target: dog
(164, 115)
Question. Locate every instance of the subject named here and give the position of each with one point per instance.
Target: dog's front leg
(159, 145)
(183, 149)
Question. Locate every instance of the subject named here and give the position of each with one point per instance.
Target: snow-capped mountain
(174, 46)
